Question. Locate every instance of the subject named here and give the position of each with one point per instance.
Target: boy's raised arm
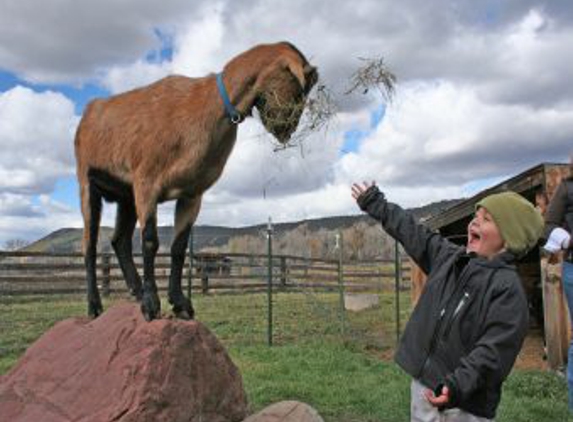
(420, 243)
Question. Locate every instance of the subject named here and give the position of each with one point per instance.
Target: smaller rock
(359, 302)
(286, 411)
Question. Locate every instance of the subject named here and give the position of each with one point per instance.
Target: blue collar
(232, 112)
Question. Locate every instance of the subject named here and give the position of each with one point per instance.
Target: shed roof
(528, 181)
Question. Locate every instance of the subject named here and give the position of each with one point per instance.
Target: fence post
(339, 245)
(204, 278)
(397, 275)
(283, 271)
(270, 284)
(106, 271)
(191, 263)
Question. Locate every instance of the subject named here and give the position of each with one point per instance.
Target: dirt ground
(532, 354)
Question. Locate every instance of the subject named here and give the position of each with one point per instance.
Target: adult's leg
(567, 278)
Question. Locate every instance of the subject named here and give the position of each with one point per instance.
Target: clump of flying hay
(321, 106)
(373, 74)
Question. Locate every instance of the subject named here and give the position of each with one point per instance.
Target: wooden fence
(25, 273)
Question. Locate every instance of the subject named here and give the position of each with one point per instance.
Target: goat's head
(283, 90)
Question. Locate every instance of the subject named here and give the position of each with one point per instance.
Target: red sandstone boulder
(119, 367)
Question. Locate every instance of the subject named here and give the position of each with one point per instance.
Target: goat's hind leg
(91, 209)
(150, 304)
(122, 245)
(185, 214)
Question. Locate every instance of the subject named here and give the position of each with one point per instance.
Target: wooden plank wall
(557, 324)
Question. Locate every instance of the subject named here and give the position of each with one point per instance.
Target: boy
(469, 324)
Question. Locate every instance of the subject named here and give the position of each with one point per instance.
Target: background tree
(15, 244)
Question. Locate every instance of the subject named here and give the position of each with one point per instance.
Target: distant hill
(315, 237)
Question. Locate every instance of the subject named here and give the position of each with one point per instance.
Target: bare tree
(15, 244)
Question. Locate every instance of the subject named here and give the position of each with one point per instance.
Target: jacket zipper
(465, 298)
(462, 302)
(462, 283)
(433, 341)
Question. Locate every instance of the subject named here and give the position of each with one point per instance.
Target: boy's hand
(366, 194)
(358, 190)
(438, 401)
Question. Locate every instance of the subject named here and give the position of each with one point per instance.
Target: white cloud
(197, 43)
(531, 61)
(36, 139)
(484, 90)
(28, 219)
(71, 40)
(437, 134)
(15, 205)
(256, 168)
(195, 47)
(123, 78)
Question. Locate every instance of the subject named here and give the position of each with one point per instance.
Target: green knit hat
(519, 222)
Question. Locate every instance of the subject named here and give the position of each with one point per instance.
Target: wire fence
(245, 299)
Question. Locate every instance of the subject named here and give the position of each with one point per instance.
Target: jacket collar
(502, 259)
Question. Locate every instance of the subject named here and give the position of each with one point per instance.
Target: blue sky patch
(8, 81)
(354, 137)
(80, 96)
(475, 186)
(165, 52)
(66, 191)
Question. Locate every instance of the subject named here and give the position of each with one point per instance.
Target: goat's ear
(296, 70)
(311, 76)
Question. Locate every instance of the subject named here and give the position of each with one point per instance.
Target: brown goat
(170, 141)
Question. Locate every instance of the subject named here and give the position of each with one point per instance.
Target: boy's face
(484, 237)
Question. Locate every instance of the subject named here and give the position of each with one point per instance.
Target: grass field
(347, 379)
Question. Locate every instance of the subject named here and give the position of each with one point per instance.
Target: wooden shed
(541, 278)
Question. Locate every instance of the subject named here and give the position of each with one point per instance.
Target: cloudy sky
(484, 92)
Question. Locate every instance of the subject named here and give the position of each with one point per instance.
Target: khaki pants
(422, 411)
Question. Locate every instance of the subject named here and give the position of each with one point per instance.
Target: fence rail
(42, 273)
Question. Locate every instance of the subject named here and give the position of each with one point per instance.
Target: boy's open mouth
(473, 236)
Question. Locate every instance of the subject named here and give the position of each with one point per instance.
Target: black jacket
(471, 318)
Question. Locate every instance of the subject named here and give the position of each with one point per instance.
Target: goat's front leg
(150, 305)
(185, 214)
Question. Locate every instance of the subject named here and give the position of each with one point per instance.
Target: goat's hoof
(95, 309)
(184, 314)
(182, 308)
(150, 306)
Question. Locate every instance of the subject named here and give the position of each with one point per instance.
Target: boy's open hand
(358, 190)
(438, 401)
